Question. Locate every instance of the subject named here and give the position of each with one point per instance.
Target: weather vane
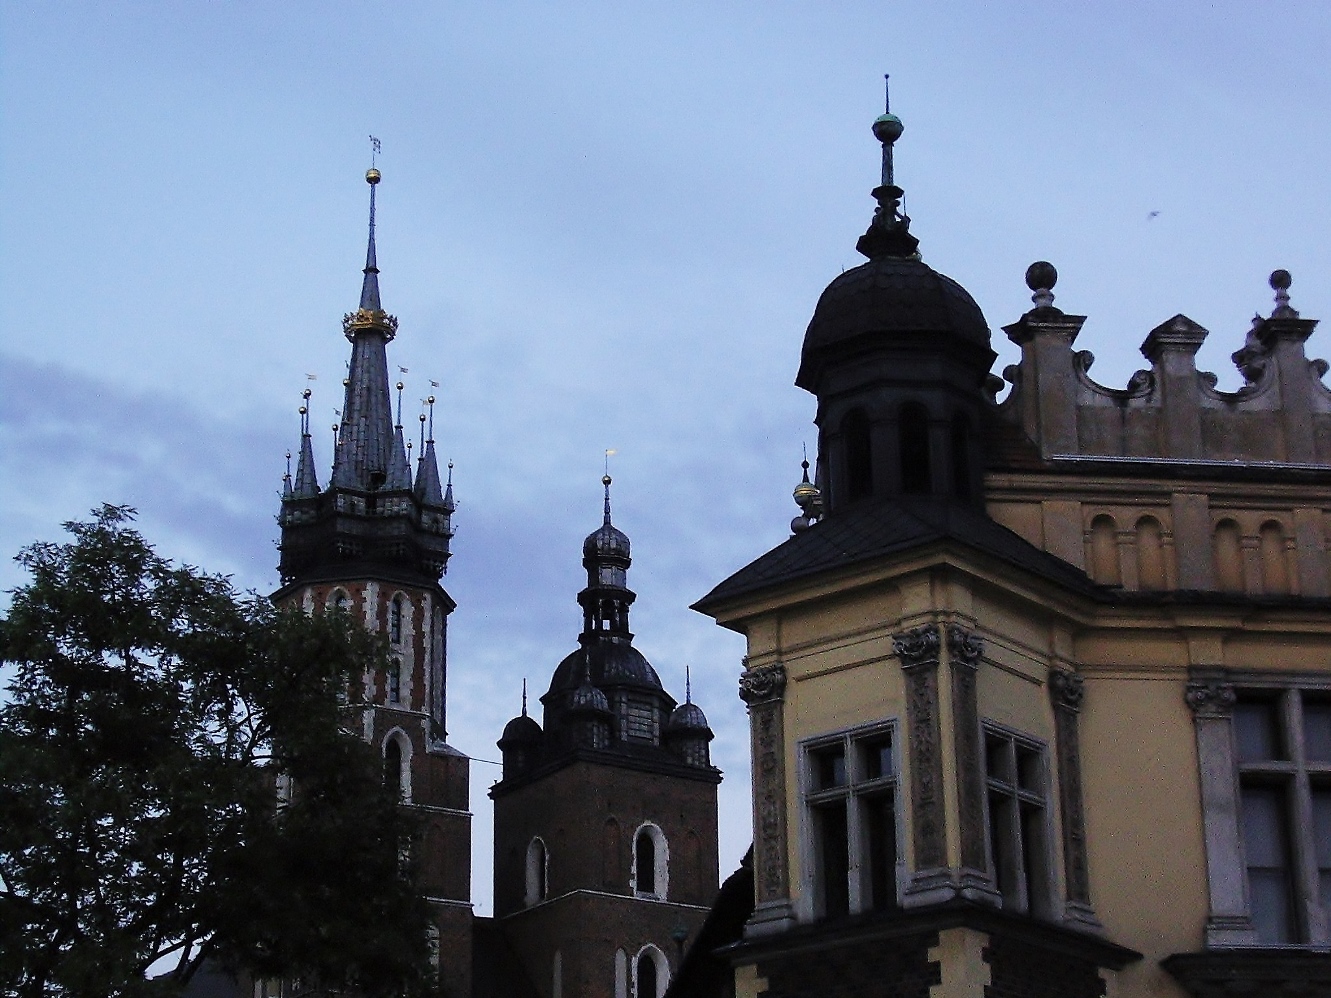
(375, 149)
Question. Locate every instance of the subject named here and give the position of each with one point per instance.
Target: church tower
(375, 544)
(605, 819)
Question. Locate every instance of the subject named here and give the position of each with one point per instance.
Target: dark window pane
(1003, 847)
(913, 430)
(833, 858)
(1030, 769)
(646, 976)
(1266, 851)
(645, 858)
(1033, 858)
(1256, 732)
(998, 758)
(859, 455)
(1317, 731)
(829, 768)
(877, 757)
(1322, 843)
(881, 847)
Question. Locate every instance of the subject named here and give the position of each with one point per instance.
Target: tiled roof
(873, 530)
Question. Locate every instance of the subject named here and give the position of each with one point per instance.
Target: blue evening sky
(601, 226)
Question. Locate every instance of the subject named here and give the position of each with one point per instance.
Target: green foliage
(153, 715)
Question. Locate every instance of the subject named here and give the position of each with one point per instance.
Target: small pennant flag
(434, 384)
(403, 370)
(311, 377)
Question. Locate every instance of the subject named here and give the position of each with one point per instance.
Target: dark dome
(587, 699)
(521, 729)
(891, 295)
(687, 717)
(606, 540)
(611, 663)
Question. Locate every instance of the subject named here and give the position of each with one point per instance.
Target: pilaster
(763, 690)
(1066, 693)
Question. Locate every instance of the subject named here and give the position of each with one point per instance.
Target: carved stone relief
(762, 689)
(1067, 693)
(918, 651)
(965, 649)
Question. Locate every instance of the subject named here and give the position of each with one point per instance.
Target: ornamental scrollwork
(964, 646)
(763, 684)
(1210, 697)
(916, 647)
(1067, 689)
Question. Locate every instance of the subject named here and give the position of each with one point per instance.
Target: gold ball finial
(372, 176)
(605, 480)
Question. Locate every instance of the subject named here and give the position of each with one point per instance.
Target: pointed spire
(428, 490)
(286, 479)
(524, 696)
(688, 686)
(888, 233)
(605, 480)
(365, 448)
(399, 469)
(369, 289)
(449, 504)
(307, 483)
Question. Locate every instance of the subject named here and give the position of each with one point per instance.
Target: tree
(178, 779)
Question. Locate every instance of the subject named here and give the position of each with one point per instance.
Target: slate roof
(872, 530)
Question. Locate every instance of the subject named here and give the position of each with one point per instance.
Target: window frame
(1034, 892)
(1214, 699)
(1294, 779)
(857, 791)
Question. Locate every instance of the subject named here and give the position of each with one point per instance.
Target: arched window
(1150, 555)
(1275, 573)
(651, 973)
(339, 601)
(395, 681)
(1104, 551)
(961, 456)
(395, 620)
(650, 862)
(913, 430)
(859, 455)
(1228, 557)
(537, 872)
(621, 974)
(644, 861)
(397, 762)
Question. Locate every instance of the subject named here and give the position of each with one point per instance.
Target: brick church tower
(375, 543)
(605, 820)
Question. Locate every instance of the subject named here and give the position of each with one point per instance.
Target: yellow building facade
(1040, 690)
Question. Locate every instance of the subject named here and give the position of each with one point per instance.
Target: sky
(601, 226)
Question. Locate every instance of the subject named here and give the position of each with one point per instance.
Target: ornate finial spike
(1041, 276)
(688, 686)
(422, 418)
(288, 464)
(450, 472)
(430, 402)
(369, 291)
(605, 480)
(399, 404)
(524, 696)
(1280, 282)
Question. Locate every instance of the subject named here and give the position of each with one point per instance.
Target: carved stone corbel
(1067, 691)
(763, 689)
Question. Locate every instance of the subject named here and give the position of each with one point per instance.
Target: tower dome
(899, 357)
(687, 717)
(607, 540)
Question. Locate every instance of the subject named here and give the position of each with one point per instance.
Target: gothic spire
(369, 289)
(307, 483)
(428, 490)
(399, 469)
(365, 443)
